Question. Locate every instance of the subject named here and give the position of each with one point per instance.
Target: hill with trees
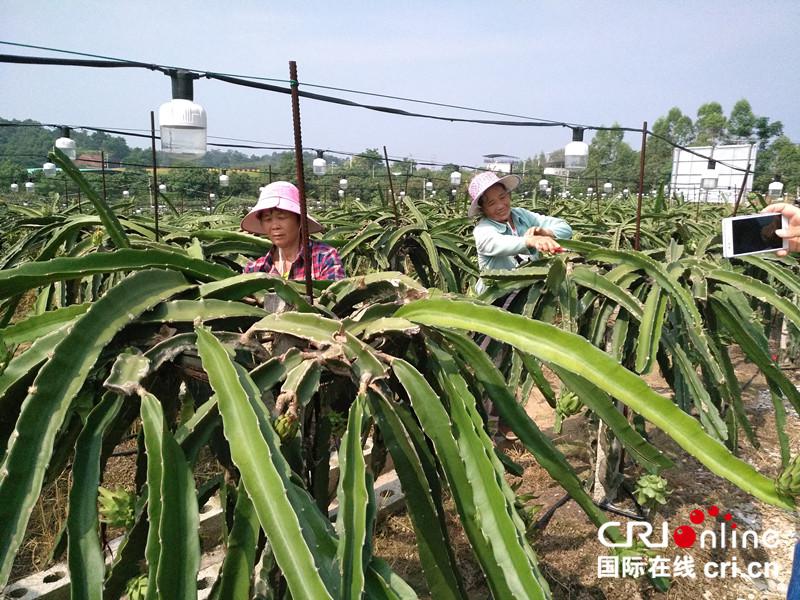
(24, 145)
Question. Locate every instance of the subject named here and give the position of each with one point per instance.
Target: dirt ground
(568, 548)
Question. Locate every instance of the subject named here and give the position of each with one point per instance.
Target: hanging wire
(230, 139)
(258, 78)
(123, 62)
(130, 133)
(200, 195)
(444, 180)
(247, 81)
(276, 146)
(286, 147)
(253, 82)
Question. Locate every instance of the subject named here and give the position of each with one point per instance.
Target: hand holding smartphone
(792, 232)
(753, 234)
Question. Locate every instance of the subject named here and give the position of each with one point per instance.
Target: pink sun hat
(281, 195)
(482, 182)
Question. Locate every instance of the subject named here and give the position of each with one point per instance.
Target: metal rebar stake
(391, 187)
(641, 187)
(301, 183)
(103, 171)
(155, 169)
(741, 189)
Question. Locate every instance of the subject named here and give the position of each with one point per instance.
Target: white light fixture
(162, 187)
(433, 194)
(576, 153)
(429, 185)
(589, 191)
(182, 122)
(455, 178)
(126, 194)
(548, 190)
(66, 144)
(212, 196)
(608, 187)
(543, 184)
(625, 192)
(402, 194)
(775, 189)
(343, 184)
(320, 165)
(341, 194)
(224, 180)
(29, 186)
(453, 192)
(709, 178)
(15, 187)
(49, 169)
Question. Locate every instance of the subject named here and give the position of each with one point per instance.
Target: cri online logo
(685, 536)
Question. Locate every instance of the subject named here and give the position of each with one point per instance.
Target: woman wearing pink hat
(505, 236)
(277, 215)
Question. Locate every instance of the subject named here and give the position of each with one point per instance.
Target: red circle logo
(697, 516)
(684, 536)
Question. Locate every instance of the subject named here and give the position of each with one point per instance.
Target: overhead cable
(247, 82)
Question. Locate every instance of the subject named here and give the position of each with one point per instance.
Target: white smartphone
(752, 234)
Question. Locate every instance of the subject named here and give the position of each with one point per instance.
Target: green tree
(368, 161)
(116, 148)
(190, 188)
(711, 124)
(450, 167)
(11, 172)
(741, 122)
(678, 129)
(766, 130)
(243, 184)
(142, 156)
(555, 158)
(26, 145)
(611, 158)
(782, 158)
(744, 125)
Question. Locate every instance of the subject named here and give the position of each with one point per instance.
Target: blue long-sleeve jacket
(497, 245)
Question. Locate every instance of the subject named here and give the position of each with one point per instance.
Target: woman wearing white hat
(505, 236)
(277, 215)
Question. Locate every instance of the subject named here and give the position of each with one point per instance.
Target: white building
(500, 163)
(688, 169)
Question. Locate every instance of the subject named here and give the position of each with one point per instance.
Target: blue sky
(580, 62)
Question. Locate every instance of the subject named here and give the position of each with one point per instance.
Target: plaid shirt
(325, 264)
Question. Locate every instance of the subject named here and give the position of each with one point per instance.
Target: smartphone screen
(756, 234)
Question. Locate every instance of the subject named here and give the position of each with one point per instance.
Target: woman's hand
(540, 231)
(792, 231)
(542, 243)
